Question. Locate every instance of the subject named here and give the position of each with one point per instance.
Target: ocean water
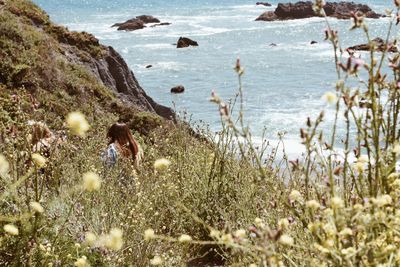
(283, 84)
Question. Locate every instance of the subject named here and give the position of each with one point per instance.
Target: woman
(121, 143)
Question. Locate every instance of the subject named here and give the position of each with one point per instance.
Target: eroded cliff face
(37, 54)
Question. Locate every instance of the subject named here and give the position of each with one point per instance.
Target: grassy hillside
(46, 72)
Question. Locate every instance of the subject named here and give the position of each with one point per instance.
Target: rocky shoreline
(301, 10)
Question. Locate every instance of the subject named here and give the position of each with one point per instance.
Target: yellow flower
(11, 229)
(259, 223)
(348, 251)
(241, 233)
(330, 98)
(346, 231)
(77, 123)
(36, 207)
(156, 261)
(4, 165)
(91, 182)
(114, 239)
(161, 164)
(383, 200)
(286, 240)
(283, 223)
(359, 167)
(396, 149)
(215, 234)
(185, 238)
(38, 160)
(90, 238)
(313, 204)
(295, 196)
(82, 262)
(149, 234)
(337, 202)
(227, 239)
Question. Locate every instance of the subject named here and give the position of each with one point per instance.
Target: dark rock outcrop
(313, 42)
(178, 89)
(300, 10)
(263, 4)
(148, 19)
(186, 42)
(139, 23)
(130, 25)
(160, 24)
(379, 45)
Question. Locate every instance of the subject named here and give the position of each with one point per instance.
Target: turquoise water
(283, 84)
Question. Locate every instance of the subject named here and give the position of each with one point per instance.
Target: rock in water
(300, 10)
(263, 4)
(313, 42)
(185, 42)
(138, 23)
(178, 89)
(379, 45)
(148, 19)
(130, 25)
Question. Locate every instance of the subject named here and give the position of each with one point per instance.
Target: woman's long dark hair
(120, 134)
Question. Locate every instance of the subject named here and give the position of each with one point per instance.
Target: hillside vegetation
(196, 199)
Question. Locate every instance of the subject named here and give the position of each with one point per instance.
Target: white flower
(346, 231)
(185, 238)
(241, 233)
(161, 164)
(156, 261)
(337, 202)
(313, 204)
(38, 160)
(283, 223)
(90, 238)
(77, 123)
(91, 182)
(36, 207)
(82, 262)
(4, 165)
(295, 196)
(330, 98)
(286, 240)
(11, 229)
(149, 234)
(114, 239)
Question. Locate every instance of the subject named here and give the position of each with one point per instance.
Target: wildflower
(77, 123)
(38, 160)
(383, 200)
(241, 233)
(161, 164)
(90, 238)
(185, 238)
(4, 165)
(11, 229)
(295, 196)
(396, 149)
(215, 234)
(348, 251)
(114, 239)
(337, 202)
(330, 229)
(259, 223)
(359, 167)
(363, 159)
(149, 234)
(156, 261)
(286, 240)
(330, 98)
(358, 207)
(91, 182)
(283, 223)
(346, 231)
(312, 204)
(214, 97)
(227, 239)
(82, 262)
(36, 207)
(77, 245)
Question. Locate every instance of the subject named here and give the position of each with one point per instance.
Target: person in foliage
(122, 144)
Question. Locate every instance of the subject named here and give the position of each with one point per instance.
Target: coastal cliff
(39, 57)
